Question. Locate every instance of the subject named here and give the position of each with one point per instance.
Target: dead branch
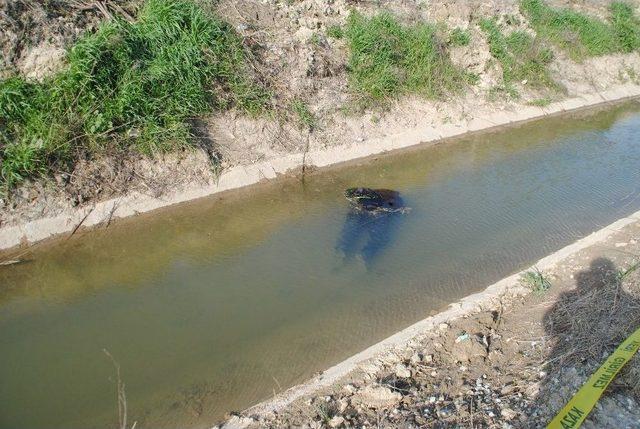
(121, 395)
(80, 223)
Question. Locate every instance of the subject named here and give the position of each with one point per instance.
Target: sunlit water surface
(212, 306)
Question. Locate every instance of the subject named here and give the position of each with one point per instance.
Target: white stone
(376, 397)
(303, 35)
(236, 422)
(336, 421)
(402, 371)
(508, 413)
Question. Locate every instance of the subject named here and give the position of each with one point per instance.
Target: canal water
(215, 305)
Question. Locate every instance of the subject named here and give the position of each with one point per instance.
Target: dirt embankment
(513, 364)
(293, 53)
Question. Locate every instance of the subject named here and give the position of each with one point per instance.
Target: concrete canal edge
(484, 300)
(241, 176)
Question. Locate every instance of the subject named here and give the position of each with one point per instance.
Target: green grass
(388, 59)
(536, 281)
(304, 117)
(582, 35)
(521, 56)
(622, 274)
(128, 86)
(335, 31)
(459, 37)
(540, 102)
(316, 39)
(626, 26)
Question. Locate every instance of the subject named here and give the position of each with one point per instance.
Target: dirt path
(511, 366)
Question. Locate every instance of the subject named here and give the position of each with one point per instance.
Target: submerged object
(371, 226)
(375, 200)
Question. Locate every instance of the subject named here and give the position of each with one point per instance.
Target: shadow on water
(366, 235)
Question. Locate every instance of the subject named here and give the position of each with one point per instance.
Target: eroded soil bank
(512, 361)
(304, 66)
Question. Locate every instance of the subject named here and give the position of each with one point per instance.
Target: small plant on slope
(521, 56)
(536, 281)
(459, 37)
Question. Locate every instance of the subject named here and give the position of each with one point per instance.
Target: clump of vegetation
(388, 59)
(540, 102)
(459, 37)
(128, 86)
(305, 118)
(521, 56)
(582, 35)
(536, 281)
(335, 31)
(623, 274)
(626, 26)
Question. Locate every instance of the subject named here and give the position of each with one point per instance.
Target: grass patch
(626, 26)
(582, 35)
(536, 281)
(540, 102)
(335, 31)
(521, 56)
(305, 118)
(388, 59)
(128, 86)
(459, 37)
(500, 92)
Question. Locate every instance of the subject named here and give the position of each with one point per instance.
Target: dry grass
(590, 321)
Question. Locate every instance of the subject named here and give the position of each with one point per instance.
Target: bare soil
(512, 366)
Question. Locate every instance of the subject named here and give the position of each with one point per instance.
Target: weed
(540, 102)
(128, 86)
(325, 412)
(631, 74)
(316, 39)
(622, 274)
(459, 37)
(305, 118)
(335, 31)
(501, 91)
(521, 56)
(536, 281)
(581, 35)
(510, 19)
(626, 26)
(388, 59)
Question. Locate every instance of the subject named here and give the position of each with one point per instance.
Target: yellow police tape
(574, 413)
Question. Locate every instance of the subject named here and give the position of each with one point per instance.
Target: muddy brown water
(215, 305)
